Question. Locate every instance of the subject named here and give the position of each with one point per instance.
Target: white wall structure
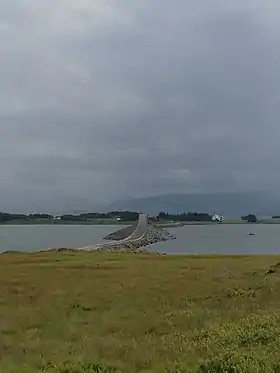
(217, 217)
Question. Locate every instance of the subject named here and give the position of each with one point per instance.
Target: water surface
(223, 239)
(38, 237)
(200, 239)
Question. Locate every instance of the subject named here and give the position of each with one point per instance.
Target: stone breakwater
(152, 235)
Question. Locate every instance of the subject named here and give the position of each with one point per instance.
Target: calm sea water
(38, 237)
(227, 239)
(223, 239)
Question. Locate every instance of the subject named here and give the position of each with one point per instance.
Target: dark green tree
(251, 218)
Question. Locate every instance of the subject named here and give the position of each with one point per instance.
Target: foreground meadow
(87, 312)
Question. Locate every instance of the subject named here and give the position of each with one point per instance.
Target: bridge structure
(138, 234)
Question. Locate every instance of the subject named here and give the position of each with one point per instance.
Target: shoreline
(69, 252)
(126, 223)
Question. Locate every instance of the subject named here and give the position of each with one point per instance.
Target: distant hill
(227, 204)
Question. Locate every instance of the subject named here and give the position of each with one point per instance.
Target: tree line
(185, 216)
(122, 215)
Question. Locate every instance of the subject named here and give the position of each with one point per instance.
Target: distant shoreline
(64, 223)
(122, 223)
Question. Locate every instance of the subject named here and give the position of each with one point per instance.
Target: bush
(255, 330)
(68, 367)
(233, 363)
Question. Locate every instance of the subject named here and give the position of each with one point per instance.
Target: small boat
(251, 234)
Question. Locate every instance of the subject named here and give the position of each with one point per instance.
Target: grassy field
(87, 312)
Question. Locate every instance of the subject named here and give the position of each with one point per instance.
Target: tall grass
(118, 313)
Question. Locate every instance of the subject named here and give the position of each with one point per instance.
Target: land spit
(134, 239)
(122, 242)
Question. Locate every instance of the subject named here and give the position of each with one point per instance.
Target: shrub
(233, 363)
(68, 367)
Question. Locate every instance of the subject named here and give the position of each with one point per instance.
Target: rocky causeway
(135, 238)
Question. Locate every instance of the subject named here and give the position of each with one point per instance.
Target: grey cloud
(100, 101)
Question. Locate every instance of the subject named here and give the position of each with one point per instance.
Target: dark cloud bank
(105, 100)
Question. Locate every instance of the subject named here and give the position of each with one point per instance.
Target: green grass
(234, 221)
(124, 313)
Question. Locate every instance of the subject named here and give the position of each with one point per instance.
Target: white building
(217, 217)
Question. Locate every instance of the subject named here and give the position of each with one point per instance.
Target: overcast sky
(108, 99)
